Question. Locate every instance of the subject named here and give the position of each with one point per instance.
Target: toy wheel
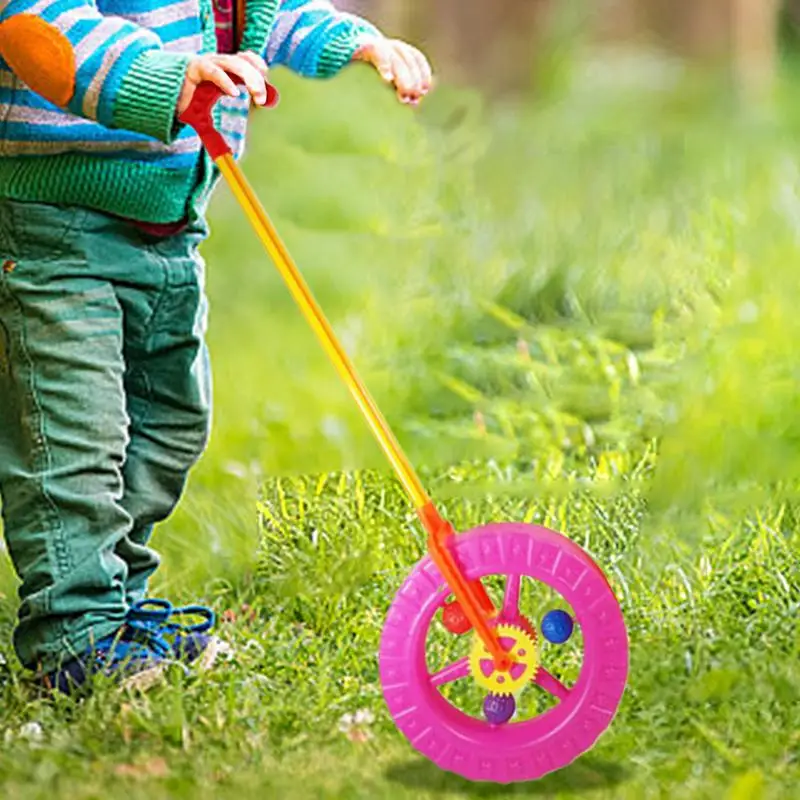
(441, 689)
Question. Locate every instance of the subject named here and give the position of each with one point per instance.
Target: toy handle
(198, 114)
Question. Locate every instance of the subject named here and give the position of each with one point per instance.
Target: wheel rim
(519, 750)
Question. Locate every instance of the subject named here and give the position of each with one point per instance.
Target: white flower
(255, 647)
(32, 731)
(225, 651)
(364, 717)
(354, 726)
(346, 722)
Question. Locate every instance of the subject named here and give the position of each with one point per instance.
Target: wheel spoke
(453, 672)
(511, 597)
(551, 684)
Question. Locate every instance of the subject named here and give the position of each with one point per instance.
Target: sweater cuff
(339, 52)
(148, 96)
(258, 16)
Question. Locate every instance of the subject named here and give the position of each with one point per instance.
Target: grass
(591, 325)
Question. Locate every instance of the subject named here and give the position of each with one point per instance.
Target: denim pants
(104, 408)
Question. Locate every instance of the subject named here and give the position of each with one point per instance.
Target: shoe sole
(147, 679)
(209, 656)
(144, 680)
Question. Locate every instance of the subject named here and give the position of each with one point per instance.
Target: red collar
(224, 20)
(229, 17)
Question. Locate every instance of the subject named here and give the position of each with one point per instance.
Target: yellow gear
(525, 656)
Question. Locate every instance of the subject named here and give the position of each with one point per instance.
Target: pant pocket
(40, 232)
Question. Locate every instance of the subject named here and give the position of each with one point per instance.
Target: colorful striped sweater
(88, 90)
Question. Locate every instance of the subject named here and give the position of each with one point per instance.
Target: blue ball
(557, 626)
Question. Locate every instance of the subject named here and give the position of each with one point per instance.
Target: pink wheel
(457, 711)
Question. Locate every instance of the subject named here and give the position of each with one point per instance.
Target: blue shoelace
(141, 640)
(160, 617)
(137, 643)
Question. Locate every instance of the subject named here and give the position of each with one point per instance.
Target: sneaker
(132, 657)
(189, 643)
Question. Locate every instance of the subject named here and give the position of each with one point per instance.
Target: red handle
(198, 115)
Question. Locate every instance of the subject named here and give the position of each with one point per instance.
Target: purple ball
(499, 708)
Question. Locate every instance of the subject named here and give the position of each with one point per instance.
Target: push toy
(470, 716)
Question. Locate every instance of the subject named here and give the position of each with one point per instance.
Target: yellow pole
(474, 600)
(322, 328)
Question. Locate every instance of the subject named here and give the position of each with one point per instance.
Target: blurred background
(570, 279)
(498, 45)
(579, 251)
(580, 248)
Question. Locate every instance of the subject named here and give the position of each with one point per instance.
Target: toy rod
(475, 602)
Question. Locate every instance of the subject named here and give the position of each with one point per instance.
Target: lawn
(581, 313)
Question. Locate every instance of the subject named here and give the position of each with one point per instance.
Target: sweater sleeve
(102, 68)
(313, 38)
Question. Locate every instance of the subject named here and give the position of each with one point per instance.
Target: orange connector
(472, 595)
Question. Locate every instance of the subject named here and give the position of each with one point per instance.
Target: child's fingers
(402, 73)
(414, 81)
(253, 80)
(255, 60)
(418, 68)
(423, 67)
(210, 71)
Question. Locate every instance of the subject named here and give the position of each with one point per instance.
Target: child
(104, 383)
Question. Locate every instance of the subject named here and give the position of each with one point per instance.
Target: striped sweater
(88, 90)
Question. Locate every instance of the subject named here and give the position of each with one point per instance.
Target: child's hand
(399, 64)
(215, 68)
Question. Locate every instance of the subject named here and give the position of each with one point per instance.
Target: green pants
(104, 408)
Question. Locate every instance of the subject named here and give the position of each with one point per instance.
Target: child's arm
(109, 70)
(102, 68)
(313, 38)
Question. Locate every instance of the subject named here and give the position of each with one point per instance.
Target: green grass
(579, 313)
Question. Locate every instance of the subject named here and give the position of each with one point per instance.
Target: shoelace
(139, 640)
(136, 642)
(157, 615)
(138, 633)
